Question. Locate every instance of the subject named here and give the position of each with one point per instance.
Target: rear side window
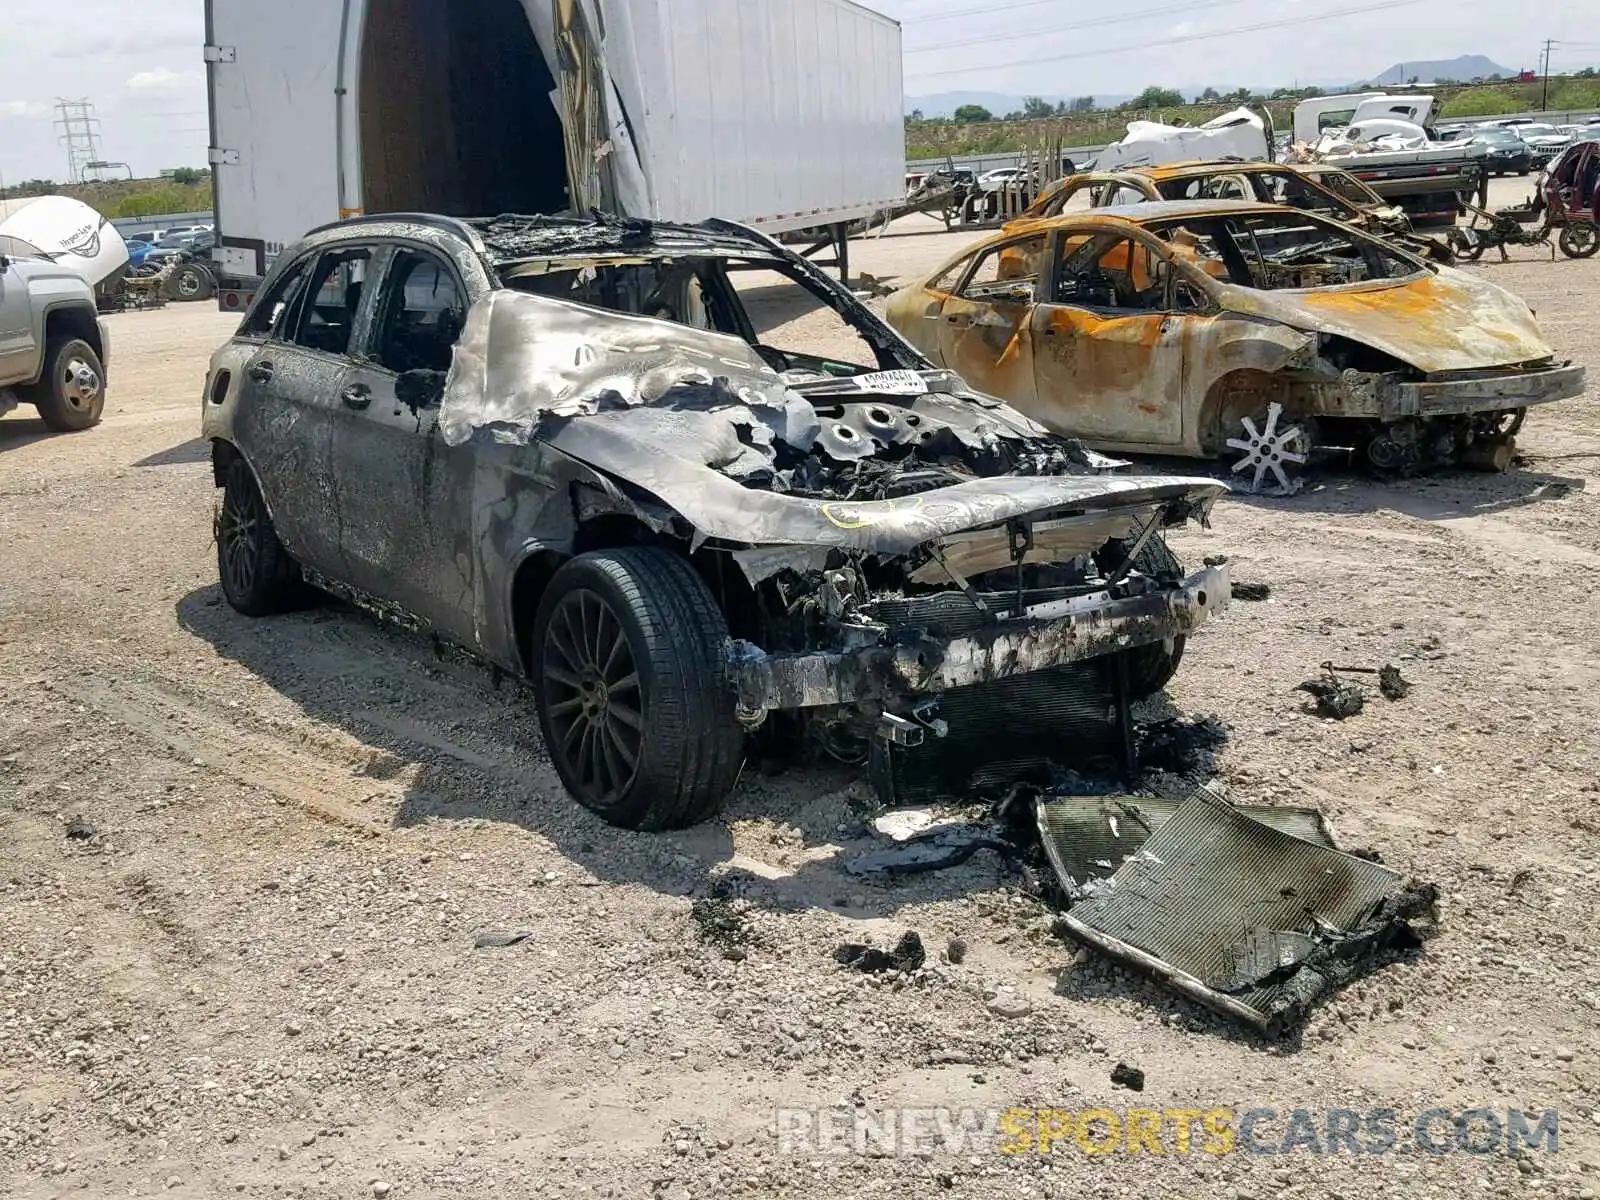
(267, 316)
(1008, 273)
(332, 300)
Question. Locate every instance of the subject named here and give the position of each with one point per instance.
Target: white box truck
(784, 114)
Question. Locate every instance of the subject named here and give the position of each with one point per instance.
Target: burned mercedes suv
(562, 445)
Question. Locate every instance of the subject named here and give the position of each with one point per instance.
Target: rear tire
(631, 679)
(71, 392)
(1151, 668)
(1579, 239)
(259, 577)
(191, 281)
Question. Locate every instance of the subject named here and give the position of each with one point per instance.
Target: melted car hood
(1443, 320)
(679, 458)
(695, 421)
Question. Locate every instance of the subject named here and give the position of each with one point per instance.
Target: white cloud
(163, 81)
(23, 108)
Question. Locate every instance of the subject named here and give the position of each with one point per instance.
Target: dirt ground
(258, 975)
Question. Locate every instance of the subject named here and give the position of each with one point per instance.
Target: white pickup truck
(53, 346)
(1387, 142)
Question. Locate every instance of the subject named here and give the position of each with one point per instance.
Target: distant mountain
(1466, 67)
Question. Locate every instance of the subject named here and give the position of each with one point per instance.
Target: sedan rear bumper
(765, 683)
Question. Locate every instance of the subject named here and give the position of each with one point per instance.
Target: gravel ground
(254, 971)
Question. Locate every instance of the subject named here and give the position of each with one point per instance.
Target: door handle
(356, 396)
(260, 371)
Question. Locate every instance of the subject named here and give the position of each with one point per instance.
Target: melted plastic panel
(523, 358)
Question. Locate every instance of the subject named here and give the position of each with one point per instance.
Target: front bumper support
(1489, 393)
(766, 682)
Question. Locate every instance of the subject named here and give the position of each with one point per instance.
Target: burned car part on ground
(1237, 912)
(563, 445)
(1260, 332)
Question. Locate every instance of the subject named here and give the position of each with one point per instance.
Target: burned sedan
(561, 445)
(1212, 327)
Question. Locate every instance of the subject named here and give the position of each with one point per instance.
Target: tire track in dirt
(324, 789)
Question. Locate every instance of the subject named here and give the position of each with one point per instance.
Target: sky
(140, 63)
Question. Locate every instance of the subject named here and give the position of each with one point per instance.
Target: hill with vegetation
(182, 191)
(975, 130)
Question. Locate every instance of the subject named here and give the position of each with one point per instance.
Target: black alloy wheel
(594, 702)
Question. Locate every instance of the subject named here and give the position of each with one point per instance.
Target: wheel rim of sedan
(594, 701)
(241, 515)
(80, 384)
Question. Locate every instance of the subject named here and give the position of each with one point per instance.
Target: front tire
(258, 575)
(71, 393)
(630, 676)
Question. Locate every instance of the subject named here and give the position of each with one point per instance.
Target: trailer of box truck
(782, 115)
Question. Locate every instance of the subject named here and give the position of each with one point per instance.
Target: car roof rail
(448, 224)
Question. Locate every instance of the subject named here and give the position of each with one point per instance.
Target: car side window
(1225, 187)
(947, 279)
(424, 311)
(1298, 193)
(1111, 272)
(1007, 273)
(266, 318)
(332, 300)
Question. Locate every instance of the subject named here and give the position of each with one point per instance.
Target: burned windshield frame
(1236, 238)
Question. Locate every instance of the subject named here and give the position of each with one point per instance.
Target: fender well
(73, 320)
(1236, 364)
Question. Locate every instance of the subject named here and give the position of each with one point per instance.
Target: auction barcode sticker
(892, 383)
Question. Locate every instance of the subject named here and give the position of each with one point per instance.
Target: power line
(1170, 41)
(1123, 18)
(994, 8)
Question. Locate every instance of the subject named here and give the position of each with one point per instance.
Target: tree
(1036, 108)
(916, 115)
(188, 176)
(1586, 73)
(1156, 97)
(1082, 104)
(31, 187)
(1210, 94)
(972, 114)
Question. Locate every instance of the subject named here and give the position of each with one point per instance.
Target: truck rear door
(273, 73)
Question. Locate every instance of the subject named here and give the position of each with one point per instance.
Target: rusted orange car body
(1330, 191)
(1146, 328)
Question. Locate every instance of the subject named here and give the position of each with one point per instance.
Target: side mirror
(419, 389)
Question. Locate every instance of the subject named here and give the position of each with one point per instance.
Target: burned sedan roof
(511, 238)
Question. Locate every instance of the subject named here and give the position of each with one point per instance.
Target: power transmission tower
(80, 133)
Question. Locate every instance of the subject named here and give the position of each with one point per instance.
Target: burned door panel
(285, 428)
(1106, 346)
(985, 328)
(399, 484)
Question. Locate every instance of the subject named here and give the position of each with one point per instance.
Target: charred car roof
(513, 237)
